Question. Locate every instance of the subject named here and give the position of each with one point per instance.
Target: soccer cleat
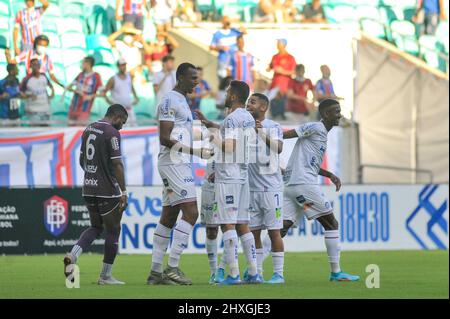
(342, 276)
(231, 281)
(157, 278)
(252, 280)
(68, 260)
(109, 281)
(176, 275)
(245, 277)
(276, 279)
(219, 276)
(211, 279)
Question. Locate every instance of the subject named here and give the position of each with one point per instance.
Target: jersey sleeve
(114, 145)
(165, 111)
(306, 130)
(279, 132)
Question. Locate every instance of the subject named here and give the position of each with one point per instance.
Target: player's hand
(336, 181)
(202, 118)
(258, 125)
(17, 51)
(212, 178)
(123, 202)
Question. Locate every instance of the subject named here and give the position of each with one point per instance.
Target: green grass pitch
(403, 274)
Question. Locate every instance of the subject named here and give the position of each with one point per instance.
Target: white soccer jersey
(307, 156)
(233, 168)
(264, 169)
(174, 108)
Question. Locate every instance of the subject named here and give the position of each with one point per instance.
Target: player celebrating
(174, 166)
(231, 182)
(103, 189)
(302, 193)
(266, 186)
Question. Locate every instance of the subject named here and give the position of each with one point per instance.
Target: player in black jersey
(104, 189)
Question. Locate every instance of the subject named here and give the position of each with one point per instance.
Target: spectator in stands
(10, 94)
(163, 11)
(298, 104)
(313, 13)
(28, 20)
(39, 51)
(132, 12)
(283, 65)
(224, 42)
(165, 80)
(269, 11)
(324, 87)
(242, 64)
(201, 91)
(428, 14)
(186, 11)
(85, 88)
(155, 52)
(122, 91)
(34, 86)
(290, 12)
(130, 46)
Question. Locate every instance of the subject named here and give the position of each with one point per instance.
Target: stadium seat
(373, 28)
(430, 51)
(73, 56)
(73, 9)
(404, 36)
(59, 70)
(343, 13)
(72, 72)
(56, 54)
(105, 71)
(97, 42)
(71, 25)
(208, 107)
(3, 72)
(104, 57)
(408, 13)
(49, 26)
(4, 43)
(5, 8)
(55, 41)
(2, 56)
(73, 40)
(53, 10)
(368, 12)
(4, 24)
(234, 11)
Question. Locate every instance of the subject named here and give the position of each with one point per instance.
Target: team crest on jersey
(229, 199)
(115, 143)
(183, 193)
(165, 182)
(301, 199)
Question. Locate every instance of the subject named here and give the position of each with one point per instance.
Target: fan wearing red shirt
(283, 64)
(298, 105)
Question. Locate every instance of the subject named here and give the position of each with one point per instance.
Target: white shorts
(178, 183)
(208, 216)
(265, 210)
(304, 199)
(232, 203)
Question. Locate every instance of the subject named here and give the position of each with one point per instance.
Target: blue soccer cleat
(276, 279)
(231, 281)
(219, 276)
(342, 276)
(255, 279)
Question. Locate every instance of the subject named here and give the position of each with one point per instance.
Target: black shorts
(101, 205)
(136, 20)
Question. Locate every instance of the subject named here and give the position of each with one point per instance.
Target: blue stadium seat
(56, 54)
(97, 42)
(373, 28)
(5, 25)
(71, 25)
(73, 40)
(73, 56)
(368, 12)
(3, 72)
(404, 36)
(73, 9)
(104, 57)
(72, 71)
(5, 9)
(4, 42)
(55, 41)
(53, 10)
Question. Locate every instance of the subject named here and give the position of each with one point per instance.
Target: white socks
(267, 247)
(248, 245)
(161, 239)
(106, 271)
(76, 252)
(259, 260)
(333, 249)
(211, 250)
(180, 241)
(278, 262)
(230, 250)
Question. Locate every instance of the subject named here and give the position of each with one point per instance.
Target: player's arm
(54, 79)
(333, 178)
(290, 134)
(205, 121)
(45, 5)
(275, 145)
(109, 86)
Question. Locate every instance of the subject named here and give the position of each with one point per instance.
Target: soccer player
(266, 186)
(231, 179)
(104, 189)
(302, 194)
(174, 165)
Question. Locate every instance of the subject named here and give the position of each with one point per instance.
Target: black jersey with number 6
(100, 144)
